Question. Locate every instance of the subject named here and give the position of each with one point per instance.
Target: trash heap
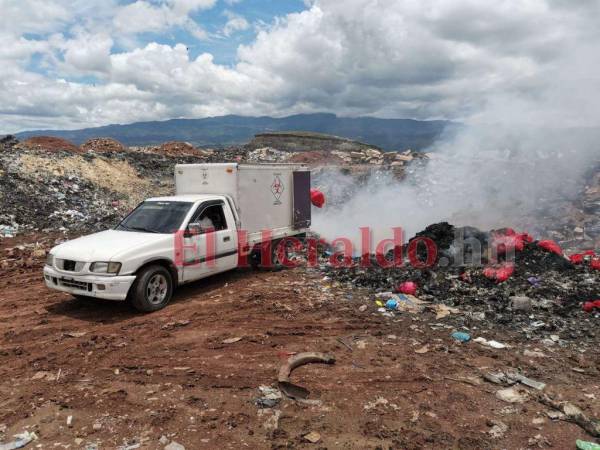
(102, 145)
(538, 293)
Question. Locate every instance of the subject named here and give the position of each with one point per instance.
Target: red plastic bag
(508, 239)
(317, 198)
(551, 246)
(408, 287)
(577, 258)
(504, 272)
(588, 307)
(499, 274)
(595, 264)
(591, 306)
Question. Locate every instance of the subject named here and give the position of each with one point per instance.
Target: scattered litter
(21, 440)
(422, 350)
(512, 378)
(312, 437)
(573, 414)
(391, 304)
(270, 397)
(232, 340)
(290, 389)
(491, 343)
(512, 395)
(408, 287)
(174, 446)
(442, 310)
(498, 429)
(585, 445)
(461, 337)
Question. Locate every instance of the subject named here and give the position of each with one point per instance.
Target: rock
(163, 440)
(362, 308)
(174, 446)
(312, 437)
(97, 426)
(533, 354)
(498, 429)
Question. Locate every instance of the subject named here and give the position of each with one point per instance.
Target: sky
(80, 63)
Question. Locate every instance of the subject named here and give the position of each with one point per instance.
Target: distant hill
(388, 134)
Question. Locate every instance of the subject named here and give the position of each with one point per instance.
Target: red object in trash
(589, 307)
(551, 246)
(317, 198)
(589, 253)
(499, 274)
(597, 303)
(489, 272)
(508, 239)
(577, 258)
(595, 264)
(504, 272)
(408, 287)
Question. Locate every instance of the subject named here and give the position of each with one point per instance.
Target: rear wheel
(152, 289)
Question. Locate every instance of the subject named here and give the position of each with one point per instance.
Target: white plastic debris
(491, 343)
(21, 440)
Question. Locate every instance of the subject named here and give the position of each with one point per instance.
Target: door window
(210, 218)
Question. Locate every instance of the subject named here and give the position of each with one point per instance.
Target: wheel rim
(156, 289)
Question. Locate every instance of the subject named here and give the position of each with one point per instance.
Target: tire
(276, 263)
(152, 289)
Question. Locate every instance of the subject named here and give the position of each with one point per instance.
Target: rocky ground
(98, 375)
(203, 372)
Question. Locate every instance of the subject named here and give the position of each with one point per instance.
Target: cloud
(235, 22)
(144, 16)
(457, 60)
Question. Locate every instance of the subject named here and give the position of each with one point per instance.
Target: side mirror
(193, 229)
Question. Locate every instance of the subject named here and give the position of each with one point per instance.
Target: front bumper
(109, 288)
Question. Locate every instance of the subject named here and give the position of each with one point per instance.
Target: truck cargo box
(272, 197)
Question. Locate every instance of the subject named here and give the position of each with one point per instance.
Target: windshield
(156, 217)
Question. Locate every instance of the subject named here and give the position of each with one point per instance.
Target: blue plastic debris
(391, 304)
(462, 337)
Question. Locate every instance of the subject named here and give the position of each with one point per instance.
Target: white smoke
(513, 163)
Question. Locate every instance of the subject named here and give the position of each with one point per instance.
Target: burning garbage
(482, 272)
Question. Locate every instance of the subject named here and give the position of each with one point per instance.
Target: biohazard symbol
(277, 189)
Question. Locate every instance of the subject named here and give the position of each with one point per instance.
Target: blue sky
(258, 13)
(77, 63)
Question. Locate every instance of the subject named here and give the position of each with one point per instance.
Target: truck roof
(186, 198)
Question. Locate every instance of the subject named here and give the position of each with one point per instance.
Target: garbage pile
(103, 145)
(516, 282)
(49, 144)
(8, 142)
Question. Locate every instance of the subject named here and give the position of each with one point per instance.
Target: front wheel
(152, 290)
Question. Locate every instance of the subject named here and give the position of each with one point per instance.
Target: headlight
(50, 259)
(105, 267)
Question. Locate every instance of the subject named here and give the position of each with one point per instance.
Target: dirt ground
(403, 382)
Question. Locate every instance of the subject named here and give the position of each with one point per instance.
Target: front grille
(81, 285)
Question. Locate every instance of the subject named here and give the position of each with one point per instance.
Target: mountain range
(223, 131)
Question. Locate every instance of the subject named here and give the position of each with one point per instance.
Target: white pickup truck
(220, 213)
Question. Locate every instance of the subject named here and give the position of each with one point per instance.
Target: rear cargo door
(301, 199)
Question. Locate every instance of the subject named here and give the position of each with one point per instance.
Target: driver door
(209, 242)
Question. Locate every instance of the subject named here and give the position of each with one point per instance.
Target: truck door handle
(226, 239)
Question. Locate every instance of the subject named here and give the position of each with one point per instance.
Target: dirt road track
(126, 377)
